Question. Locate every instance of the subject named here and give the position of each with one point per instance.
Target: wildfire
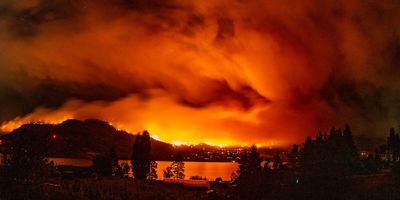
(155, 137)
(178, 143)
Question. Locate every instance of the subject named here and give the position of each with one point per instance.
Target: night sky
(219, 71)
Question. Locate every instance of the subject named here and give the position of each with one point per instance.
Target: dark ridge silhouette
(84, 139)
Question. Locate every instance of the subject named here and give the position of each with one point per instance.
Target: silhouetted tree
(102, 165)
(277, 161)
(308, 143)
(107, 165)
(267, 166)
(168, 173)
(152, 175)
(27, 156)
(234, 176)
(141, 156)
(350, 152)
(349, 141)
(118, 171)
(396, 173)
(294, 155)
(249, 174)
(326, 161)
(114, 161)
(125, 169)
(178, 166)
(122, 170)
(393, 145)
(26, 167)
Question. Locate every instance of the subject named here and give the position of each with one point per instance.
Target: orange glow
(178, 143)
(214, 72)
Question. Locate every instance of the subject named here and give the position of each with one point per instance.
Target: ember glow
(226, 72)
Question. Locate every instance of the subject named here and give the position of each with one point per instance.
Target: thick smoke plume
(221, 71)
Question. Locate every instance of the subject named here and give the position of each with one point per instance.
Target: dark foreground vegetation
(328, 166)
(370, 187)
(105, 188)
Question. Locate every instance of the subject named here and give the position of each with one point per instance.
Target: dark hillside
(83, 139)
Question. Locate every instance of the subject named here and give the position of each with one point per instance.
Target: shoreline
(86, 158)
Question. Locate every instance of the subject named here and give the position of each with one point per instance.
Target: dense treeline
(327, 166)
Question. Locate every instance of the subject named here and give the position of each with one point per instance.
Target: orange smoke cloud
(160, 115)
(218, 71)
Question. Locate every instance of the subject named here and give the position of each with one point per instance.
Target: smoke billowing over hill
(219, 71)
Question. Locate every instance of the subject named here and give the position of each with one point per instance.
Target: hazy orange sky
(221, 71)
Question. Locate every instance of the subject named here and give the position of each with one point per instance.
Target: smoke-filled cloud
(221, 71)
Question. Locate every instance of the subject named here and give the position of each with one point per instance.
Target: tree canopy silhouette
(107, 165)
(177, 167)
(249, 174)
(325, 164)
(141, 156)
(329, 156)
(28, 155)
(393, 145)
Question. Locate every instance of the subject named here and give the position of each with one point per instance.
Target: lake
(209, 170)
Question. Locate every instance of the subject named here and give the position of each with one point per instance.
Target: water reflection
(209, 170)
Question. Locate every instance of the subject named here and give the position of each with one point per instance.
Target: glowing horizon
(228, 142)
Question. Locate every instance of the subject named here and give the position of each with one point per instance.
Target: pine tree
(391, 143)
(249, 174)
(141, 155)
(396, 148)
(348, 136)
(294, 155)
(331, 157)
(114, 161)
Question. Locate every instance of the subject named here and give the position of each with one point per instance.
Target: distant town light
(1, 142)
(53, 136)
